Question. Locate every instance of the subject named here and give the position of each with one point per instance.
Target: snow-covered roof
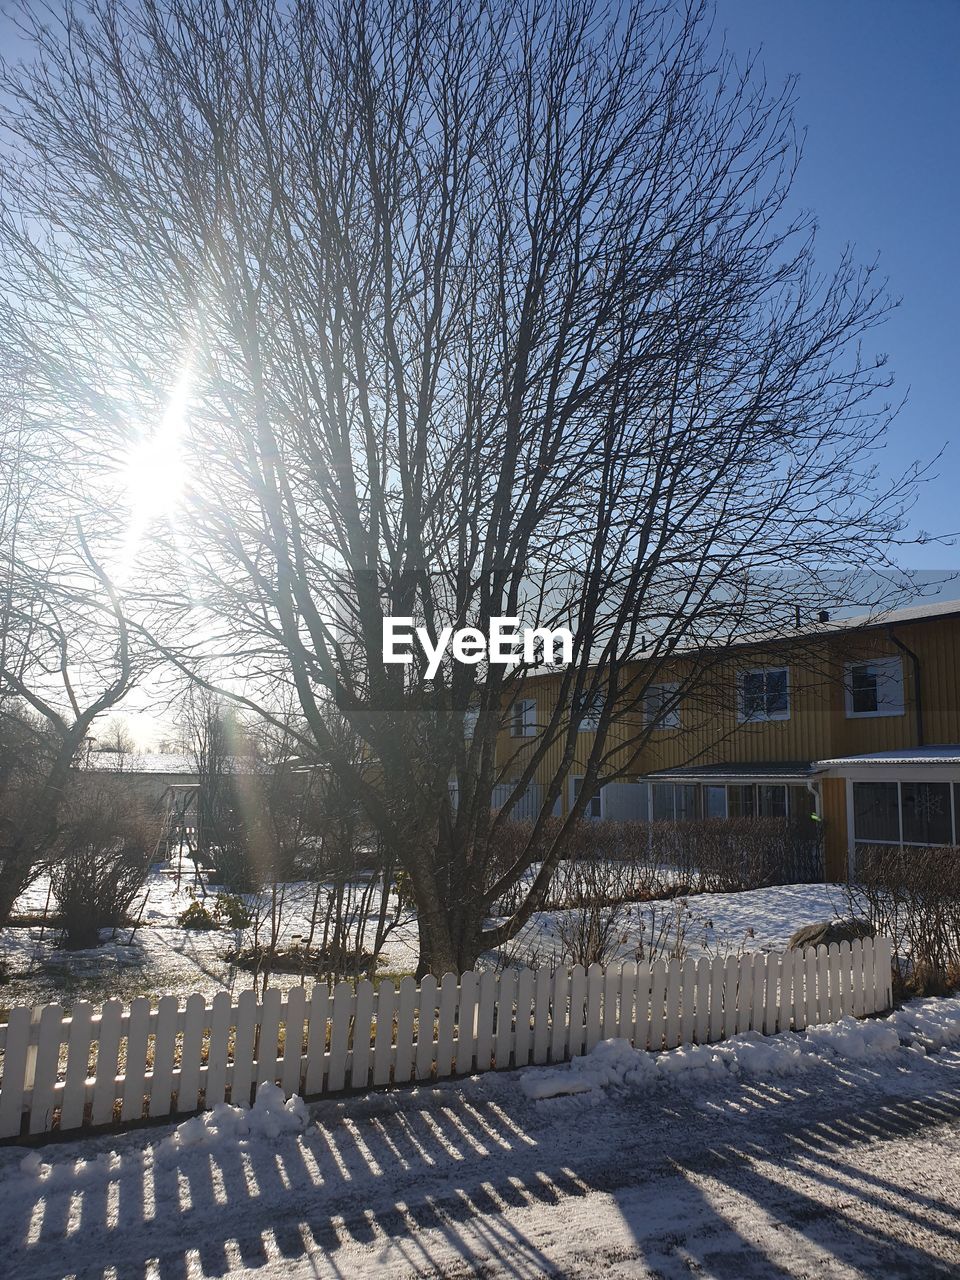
(948, 754)
(142, 762)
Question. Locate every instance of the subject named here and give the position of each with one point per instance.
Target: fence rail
(86, 1068)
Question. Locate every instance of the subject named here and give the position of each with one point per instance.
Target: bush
(103, 862)
(232, 911)
(198, 917)
(912, 896)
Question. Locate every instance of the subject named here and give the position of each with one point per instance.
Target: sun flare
(152, 477)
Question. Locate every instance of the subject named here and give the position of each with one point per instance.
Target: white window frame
(661, 720)
(894, 709)
(596, 799)
(761, 717)
(523, 722)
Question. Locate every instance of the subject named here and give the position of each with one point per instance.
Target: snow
(788, 1144)
(165, 958)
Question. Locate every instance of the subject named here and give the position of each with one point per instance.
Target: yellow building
(857, 720)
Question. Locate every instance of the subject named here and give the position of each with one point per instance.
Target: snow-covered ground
(832, 1153)
(165, 958)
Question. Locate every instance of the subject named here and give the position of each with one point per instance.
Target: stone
(821, 935)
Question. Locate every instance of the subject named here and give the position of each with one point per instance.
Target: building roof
(737, 771)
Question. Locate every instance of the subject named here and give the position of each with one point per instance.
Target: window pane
(686, 802)
(741, 801)
(863, 689)
(875, 812)
(777, 704)
(663, 802)
(753, 694)
(715, 802)
(926, 813)
(772, 800)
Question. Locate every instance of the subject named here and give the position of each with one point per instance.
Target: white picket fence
(85, 1068)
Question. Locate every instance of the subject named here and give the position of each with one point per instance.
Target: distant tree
(482, 311)
(117, 740)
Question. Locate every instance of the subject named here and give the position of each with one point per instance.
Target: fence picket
(293, 1017)
(523, 1038)
(823, 984)
(343, 1004)
(316, 1038)
(578, 997)
(611, 989)
(486, 1004)
(403, 1068)
(194, 1021)
(383, 1041)
(426, 1013)
(135, 1070)
(47, 1068)
(628, 991)
(594, 1006)
(559, 1015)
(541, 1016)
(688, 995)
(658, 1009)
(869, 975)
(108, 1051)
(268, 1040)
(15, 1050)
(360, 1039)
(811, 1000)
(78, 1058)
(467, 1022)
(446, 1024)
(731, 975)
(745, 980)
(717, 974)
(640, 1032)
(505, 998)
(221, 1018)
(835, 1001)
(856, 976)
(164, 1048)
(244, 1040)
(774, 993)
(702, 1001)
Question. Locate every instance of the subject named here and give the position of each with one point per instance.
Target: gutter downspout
(918, 695)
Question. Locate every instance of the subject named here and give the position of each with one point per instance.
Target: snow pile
(616, 1062)
(270, 1116)
(931, 1024)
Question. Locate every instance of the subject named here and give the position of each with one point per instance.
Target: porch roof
(737, 772)
(939, 758)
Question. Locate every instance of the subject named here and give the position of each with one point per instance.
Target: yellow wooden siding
(833, 809)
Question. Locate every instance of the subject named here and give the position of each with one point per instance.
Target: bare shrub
(912, 896)
(104, 857)
(727, 855)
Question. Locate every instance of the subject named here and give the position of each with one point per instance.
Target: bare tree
(65, 655)
(484, 311)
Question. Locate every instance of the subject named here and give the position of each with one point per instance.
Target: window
(772, 800)
(876, 812)
(470, 718)
(663, 802)
(741, 801)
(926, 812)
(590, 711)
(594, 807)
(660, 707)
(715, 802)
(874, 688)
(685, 799)
(765, 695)
(523, 718)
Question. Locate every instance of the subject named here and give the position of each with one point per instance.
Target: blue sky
(879, 97)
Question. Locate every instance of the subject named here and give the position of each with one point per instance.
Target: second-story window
(590, 711)
(765, 694)
(470, 718)
(523, 718)
(660, 707)
(874, 688)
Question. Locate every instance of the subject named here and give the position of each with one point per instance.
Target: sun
(152, 477)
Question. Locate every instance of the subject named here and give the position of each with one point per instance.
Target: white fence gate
(67, 1071)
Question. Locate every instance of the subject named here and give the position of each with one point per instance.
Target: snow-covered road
(786, 1162)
